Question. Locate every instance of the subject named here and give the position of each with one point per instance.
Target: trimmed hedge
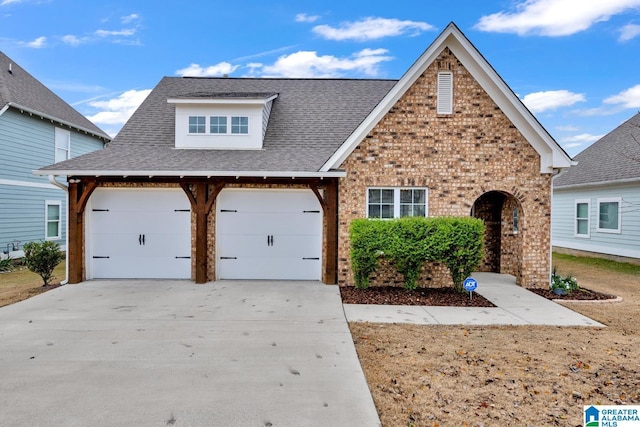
(408, 243)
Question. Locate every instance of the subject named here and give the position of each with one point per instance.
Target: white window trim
(444, 101)
(396, 199)
(207, 126)
(61, 133)
(48, 203)
(611, 200)
(575, 218)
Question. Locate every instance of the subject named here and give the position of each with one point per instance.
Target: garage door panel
(270, 268)
(269, 234)
(262, 201)
(258, 246)
(121, 267)
(139, 234)
(268, 223)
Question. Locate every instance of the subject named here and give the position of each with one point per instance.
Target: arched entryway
(503, 217)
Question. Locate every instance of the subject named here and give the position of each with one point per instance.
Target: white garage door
(268, 234)
(138, 234)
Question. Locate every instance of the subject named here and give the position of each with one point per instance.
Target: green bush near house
(408, 243)
(6, 264)
(42, 258)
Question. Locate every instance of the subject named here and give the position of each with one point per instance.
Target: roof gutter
(598, 184)
(5, 108)
(104, 136)
(208, 174)
(52, 180)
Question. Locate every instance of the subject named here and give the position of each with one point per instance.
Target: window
(197, 124)
(515, 220)
(218, 124)
(62, 145)
(582, 225)
(52, 219)
(240, 125)
(609, 215)
(445, 93)
(386, 203)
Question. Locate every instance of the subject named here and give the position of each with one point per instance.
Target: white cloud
(129, 18)
(116, 111)
(195, 70)
(538, 102)
(578, 140)
(371, 28)
(38, 43)
(109, 33)
(629, 98)
(303, 17)
(554, 17)
(72, 40)
(309, 64)
(629, 32)
(6, 2)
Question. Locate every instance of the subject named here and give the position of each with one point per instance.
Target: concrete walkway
(173, 353)
(514, 306)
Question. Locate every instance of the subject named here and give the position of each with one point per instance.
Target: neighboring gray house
(596, 204)
(36, 129)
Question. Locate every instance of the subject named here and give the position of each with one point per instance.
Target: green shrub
(408, 243)
(42, 258)
(568, 283)
(6, 264)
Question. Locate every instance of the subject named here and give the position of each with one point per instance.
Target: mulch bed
(392, 295)
(581, 294)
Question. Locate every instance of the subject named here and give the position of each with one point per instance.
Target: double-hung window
(52, 219)
(582, 224)
(386, 203)
(609, 215)
(62, 144)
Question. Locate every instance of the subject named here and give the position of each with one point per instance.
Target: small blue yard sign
(470, 284)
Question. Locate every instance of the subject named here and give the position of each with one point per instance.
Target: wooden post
(74, 251)
(201, 232)
(330, 268)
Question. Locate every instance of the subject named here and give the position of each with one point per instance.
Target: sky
(574, 63)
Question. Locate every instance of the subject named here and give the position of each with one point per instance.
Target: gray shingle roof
(21, 90)
(614, 157)
(309, 121)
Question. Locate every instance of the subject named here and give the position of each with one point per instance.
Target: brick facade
(459, 158)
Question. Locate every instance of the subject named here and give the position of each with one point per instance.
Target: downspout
(52, 180)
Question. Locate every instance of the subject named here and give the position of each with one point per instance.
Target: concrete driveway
(156, 353)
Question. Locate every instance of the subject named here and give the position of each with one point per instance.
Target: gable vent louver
(445, 93)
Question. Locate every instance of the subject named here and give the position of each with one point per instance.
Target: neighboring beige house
(224, 178)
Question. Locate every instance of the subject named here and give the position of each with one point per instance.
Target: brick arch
(504, 232)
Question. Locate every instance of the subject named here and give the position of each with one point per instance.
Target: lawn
(21, 283)
(510, 375)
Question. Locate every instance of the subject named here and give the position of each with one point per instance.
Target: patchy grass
(509, 375)
(21, 283)
(578, 263)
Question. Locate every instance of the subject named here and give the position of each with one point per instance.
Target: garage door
(139, 233)
(268, 234)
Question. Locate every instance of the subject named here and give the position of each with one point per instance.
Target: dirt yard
(21, 284)
(508, 376)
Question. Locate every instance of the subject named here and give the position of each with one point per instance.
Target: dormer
(222, 121)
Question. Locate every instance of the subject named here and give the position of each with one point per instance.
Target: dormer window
(218, 124)
(223, 121)
(240, 125)
(196, 124)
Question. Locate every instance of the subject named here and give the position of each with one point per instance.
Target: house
(36, 129)
(596, 204)
(241, 178)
